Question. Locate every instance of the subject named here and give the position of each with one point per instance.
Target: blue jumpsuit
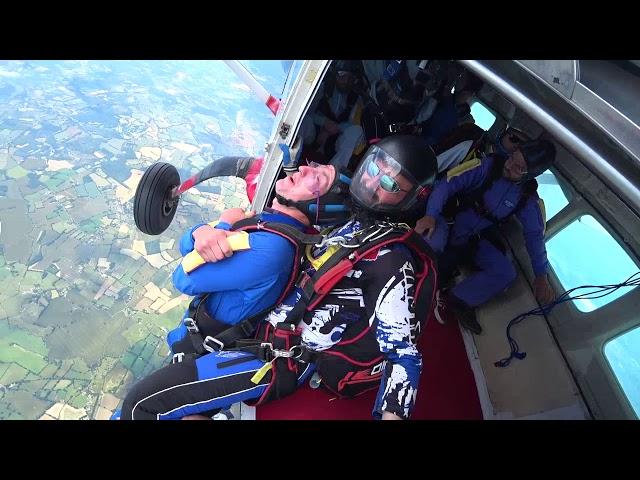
(236, 292)
(496, 272)
(442, 122)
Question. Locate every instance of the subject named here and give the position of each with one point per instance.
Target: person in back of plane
(508, 141)
(453, 109)
(333, 124)
(477, 197)
(468, 142)
(360, 335)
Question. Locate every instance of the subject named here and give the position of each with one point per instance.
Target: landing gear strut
(156, 199)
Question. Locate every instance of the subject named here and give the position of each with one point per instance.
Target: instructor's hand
(543, 290)
(426, 223)
(233, 215)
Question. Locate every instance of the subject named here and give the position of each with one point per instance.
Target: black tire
(153, 208)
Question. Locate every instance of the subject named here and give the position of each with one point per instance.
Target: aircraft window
(623, 355)
(552, 194)
(482, 116)
(571, 254)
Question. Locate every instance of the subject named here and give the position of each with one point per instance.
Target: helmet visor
(380, 183)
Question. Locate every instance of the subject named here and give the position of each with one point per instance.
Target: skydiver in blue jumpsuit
(234, 290)
(488, 191)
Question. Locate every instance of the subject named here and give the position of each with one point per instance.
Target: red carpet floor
(447, 387)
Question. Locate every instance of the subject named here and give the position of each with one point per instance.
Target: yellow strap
(261, 373)
(316, 263)
(471, 156)
(238, 241)
(463, 168)
(359, 148)
(357, 116)
(543, 212)
(357, 120)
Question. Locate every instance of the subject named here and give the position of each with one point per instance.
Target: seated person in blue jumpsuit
(235, 291)
(469, 140)
(501, 182)
(375, 296)
(507, 141)
(251, 280)
(453, 109)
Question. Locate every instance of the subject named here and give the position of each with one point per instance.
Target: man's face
(307, 183)
(515, 167)
(512, 139)
(344, 81)
(390, 188)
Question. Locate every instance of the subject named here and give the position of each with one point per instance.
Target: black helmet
(328, 209)
(405, 155)
(516, 136)
(539, 155)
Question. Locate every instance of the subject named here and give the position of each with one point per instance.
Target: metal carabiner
(282, 353)
(330, 241)
(292, 351)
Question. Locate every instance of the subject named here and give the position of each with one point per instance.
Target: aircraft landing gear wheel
(153, 207)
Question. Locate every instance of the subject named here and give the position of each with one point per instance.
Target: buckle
(297, 356)
(216, 343)
(286, 326)
(191, 325)
(301, 354)
(177, 357)
(281, 353)
(265, 352)
(302, 279)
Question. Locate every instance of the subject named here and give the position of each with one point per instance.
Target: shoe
(440, 307)
(466, 315)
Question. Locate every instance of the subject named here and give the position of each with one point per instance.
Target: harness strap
(315, 288)
(284, 230)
